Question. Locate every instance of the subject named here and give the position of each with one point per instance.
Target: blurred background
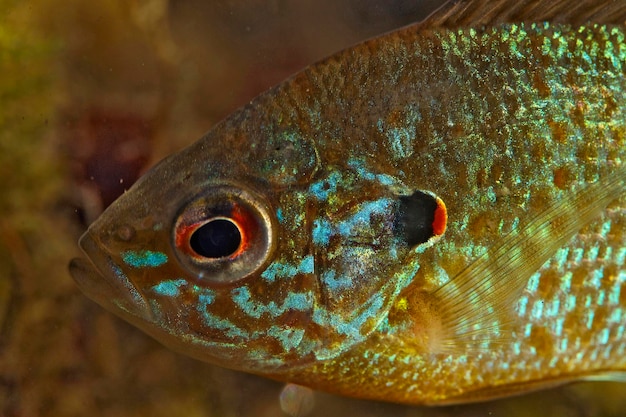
(92, 94)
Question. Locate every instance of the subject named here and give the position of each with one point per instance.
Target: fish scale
(433, 216)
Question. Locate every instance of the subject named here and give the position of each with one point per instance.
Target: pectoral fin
(476, 306)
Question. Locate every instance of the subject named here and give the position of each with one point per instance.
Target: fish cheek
(367, 251)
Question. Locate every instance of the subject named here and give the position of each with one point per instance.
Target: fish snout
(104, 281)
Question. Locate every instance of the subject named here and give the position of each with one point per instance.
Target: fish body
(433, 216)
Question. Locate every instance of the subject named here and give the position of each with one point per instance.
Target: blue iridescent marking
(590, 315)
(537, 311)
(566, 282)
(558, 326)
(364, 173)
(334, 283)
(362, 217)
(528, 329)
(307, 265)
(577, 255)
(400, 139)
(614, 295)
(169, 288)
(289, 338)
(321, 232)
(553, 309)
(616, 316)
(521, 305)
(603, 337)
(560, 257)
(205, 299)
(533, 282)
(323, 188)
(606, 228)
(352, 326)
(279, 215)
(286, 270)
(592, 254)
(144, 258)
(227, 326)
(294, 301)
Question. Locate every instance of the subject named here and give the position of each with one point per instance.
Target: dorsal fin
(476, 305)
(473, 13)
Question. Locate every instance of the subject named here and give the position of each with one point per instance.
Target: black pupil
(216, 239)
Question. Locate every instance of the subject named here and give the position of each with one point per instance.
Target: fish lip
(102, 280)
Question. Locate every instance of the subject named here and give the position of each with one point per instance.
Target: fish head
(250, 250)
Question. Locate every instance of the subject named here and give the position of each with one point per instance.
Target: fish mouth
(102, 280)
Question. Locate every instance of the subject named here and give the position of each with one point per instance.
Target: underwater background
(91, 95)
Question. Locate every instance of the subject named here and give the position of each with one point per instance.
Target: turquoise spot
(558, 326)
(349, 326)
(614, 295)
(335, 283)
(322, 230)
(286, 270)
(228, 327)
(279, 215)
(322, 189)
(205, 299)
(590, 315)
(361, 219)
(294, 301)
(144, 258)
(383, 179)
(306, 265)
(289, 338)
(603, 338)
(169, 288)
(521, 306)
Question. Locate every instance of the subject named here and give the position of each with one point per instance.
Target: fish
(433, 216)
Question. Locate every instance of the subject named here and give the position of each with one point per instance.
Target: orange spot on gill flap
(440, 218)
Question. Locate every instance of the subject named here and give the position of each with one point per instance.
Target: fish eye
(224, 234)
